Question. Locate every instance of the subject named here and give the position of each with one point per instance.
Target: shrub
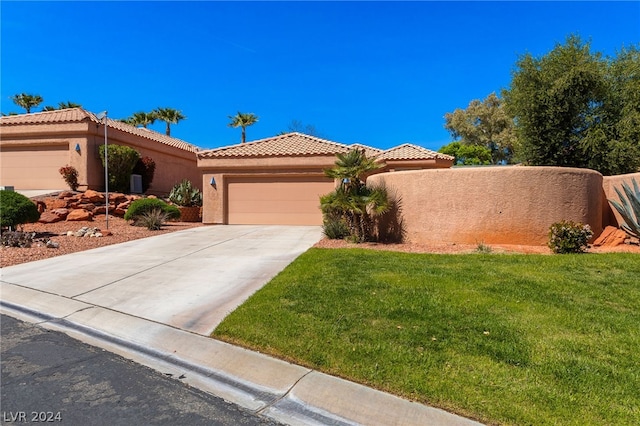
(17, 239)
(70, 176)
(151, 219)
(629, 208)
(185, 195)
(146, 168)
(122, 160)
(16, 209)
(569, 237)
(145, 205)
(335, 228)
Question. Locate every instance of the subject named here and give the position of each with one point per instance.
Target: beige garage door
(33, 167)
(276, 201)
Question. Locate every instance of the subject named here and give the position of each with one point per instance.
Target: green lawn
(507, 339)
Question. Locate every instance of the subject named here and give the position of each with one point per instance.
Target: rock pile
(72, 206)
(85, 231)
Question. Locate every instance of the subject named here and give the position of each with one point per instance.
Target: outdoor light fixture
(213, 181)
(100, 116)
(77, 147)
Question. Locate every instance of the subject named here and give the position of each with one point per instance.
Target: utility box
(136, 184)
(7, 188)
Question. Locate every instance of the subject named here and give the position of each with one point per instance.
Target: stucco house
(34, 146)
(279, 180)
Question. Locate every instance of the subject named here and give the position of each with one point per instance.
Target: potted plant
(188, 199)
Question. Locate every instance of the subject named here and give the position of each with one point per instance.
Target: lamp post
(100, 116)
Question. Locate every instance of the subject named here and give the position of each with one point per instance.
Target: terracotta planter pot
(190, 214)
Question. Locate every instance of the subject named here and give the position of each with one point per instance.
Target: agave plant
(629, 208)
(185, 195)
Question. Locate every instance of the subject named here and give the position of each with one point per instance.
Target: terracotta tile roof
(409, 151)
(369, 151)
(289, 144)
(75, 115)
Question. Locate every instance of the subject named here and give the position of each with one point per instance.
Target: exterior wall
(494, 205)
(172, 164)
(610, 216)
(224, 170)
(32, 140)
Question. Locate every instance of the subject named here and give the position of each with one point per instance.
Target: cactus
(629, 208)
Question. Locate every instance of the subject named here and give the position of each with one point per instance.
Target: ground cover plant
(505, 339)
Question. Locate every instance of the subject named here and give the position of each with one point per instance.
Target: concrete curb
(283, 391)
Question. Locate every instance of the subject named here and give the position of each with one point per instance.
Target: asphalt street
(49, 377)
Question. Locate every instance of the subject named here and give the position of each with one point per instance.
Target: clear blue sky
(378, 73)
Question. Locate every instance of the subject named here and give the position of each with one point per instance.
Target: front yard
(501, 338)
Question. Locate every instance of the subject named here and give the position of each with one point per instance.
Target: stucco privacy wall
(494, 205)
(610, 215)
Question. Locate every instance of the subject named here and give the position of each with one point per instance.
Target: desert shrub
(185, 194)
(146, 168)
(569, 237)
(122, 160)
(335, 228)
(151, 219)
(145, 205)
(70, 176)
(16, 209)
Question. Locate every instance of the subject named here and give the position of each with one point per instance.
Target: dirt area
(122, 231)
(452, 248)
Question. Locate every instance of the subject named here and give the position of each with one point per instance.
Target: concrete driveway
(189, 279)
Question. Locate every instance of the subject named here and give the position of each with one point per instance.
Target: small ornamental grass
(151, 219)
(569, 237)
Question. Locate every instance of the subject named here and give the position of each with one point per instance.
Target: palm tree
(353, 201)
(68, 104)
(141, 119)
(243, 120)
(169, 116)
(27, 101)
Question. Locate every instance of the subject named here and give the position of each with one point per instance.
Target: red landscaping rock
(79, 215)
(54, 203)
(66, 194)
(611, 237)
(53, 216)
(92, 196)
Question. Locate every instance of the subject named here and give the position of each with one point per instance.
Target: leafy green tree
(467, 154)
(122, 160)
(169, 116)
(574, 108)
(484, 124)
(353, 201)
(27, 101)
(243, 120)
(141, 118)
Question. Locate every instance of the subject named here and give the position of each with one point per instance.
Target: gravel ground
(121, 231)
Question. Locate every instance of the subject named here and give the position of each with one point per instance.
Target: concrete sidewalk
(156, 300)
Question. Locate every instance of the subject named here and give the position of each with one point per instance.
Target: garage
(42, 163)
(276, 200)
